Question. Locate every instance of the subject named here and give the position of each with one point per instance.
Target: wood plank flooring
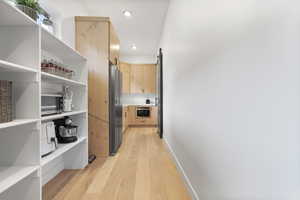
(142, 170)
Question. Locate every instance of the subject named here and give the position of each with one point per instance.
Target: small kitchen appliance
(66, 132)
(143, 112)
(48, 139)
(52, 104)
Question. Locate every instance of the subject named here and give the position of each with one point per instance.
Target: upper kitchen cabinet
(150, 79)
(97, 40)
(114, 46)
(143, 79)
(126, 71)
(137, 85)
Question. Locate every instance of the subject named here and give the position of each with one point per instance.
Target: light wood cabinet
(143, 79)
(131, 115)
(97, 41)
(126, 80)
(114, 46)
(125, 118)
(149, 79)
(133, 120)
(137, 79)
(98, 135)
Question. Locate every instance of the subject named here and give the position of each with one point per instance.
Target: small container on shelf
(57, 68)
(70, 74)
(48, 66)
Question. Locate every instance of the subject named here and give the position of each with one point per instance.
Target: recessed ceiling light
(127, 13)
(133, 47)
(115, 47)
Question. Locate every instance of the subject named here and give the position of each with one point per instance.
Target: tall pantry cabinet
(98, 42)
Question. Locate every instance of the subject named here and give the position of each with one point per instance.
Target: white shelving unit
(24, 44)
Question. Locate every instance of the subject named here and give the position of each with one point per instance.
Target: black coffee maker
(65, 131)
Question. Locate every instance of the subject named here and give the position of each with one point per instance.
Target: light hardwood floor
(142, 170)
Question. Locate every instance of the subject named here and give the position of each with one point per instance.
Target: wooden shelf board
(62, 148)
(17, 122)
(57, 47)
(11, 67)
(60, 80)
(63, 115)
(11, 16)
(9, 176)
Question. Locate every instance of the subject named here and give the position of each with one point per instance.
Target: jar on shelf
(51, 67)
(69, 74)
(64, 71)
(44, 65)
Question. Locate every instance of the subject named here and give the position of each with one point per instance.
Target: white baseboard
(187, 181)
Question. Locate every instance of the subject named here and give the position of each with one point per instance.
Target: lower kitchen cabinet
(133, 120)
(99, 138)
(125, 118)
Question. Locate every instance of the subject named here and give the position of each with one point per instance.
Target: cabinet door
(98, 137)
(137, 79)
(92, 41)
(153, 118)
(125, 118)
(131, 115)
(149, 79)
(141, 121)
(143, 78)
(125, 69)
(114, 46)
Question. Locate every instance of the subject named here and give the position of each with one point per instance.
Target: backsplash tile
(137, 99)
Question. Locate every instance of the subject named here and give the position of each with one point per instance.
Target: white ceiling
(143, 29)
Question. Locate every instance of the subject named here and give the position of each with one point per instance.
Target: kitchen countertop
(143, 105)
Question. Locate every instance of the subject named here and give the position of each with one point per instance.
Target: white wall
(139, 59)
(232, 96)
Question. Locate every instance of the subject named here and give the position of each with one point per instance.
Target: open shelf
(9, 176)
(17, 122)
(11, 67)
(51, 117)
(55, 46)
(52, 95)
(60, 80)
(62, 148)
(11, 16)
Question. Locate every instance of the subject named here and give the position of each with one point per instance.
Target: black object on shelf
(65, 131)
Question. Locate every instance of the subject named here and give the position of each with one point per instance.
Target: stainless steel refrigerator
(115, 110)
